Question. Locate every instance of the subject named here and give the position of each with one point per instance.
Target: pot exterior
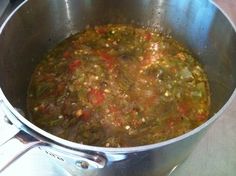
(159, 161)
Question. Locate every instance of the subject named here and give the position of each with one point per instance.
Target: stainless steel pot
(30, 28)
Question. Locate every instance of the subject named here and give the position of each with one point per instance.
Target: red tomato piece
(96, 97)
(47, 78)
(86, 115)
(147, 60)
(183, 108)
(67, 55)
(148, 36)
(172, 122)
(101, 30)
(201, 117)
(107, 58)
(136, 122)
(117, 122)
(150, 59)
(113, 109)
(74, 65)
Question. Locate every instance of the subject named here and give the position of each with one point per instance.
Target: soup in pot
(118, 86)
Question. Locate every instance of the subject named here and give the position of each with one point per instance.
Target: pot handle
(14, 142)
(15, 148)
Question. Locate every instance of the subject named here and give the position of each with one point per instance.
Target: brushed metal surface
(3, 5)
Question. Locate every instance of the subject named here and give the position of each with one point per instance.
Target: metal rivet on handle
(82, 164)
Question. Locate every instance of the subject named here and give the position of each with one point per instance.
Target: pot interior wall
(40, 24)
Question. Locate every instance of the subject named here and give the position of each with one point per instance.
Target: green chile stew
(118, 86)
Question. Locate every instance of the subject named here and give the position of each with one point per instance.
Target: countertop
(215, 154)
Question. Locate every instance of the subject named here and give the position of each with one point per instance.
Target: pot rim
(24, 124)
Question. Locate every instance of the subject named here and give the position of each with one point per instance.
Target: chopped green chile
(118, 86)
